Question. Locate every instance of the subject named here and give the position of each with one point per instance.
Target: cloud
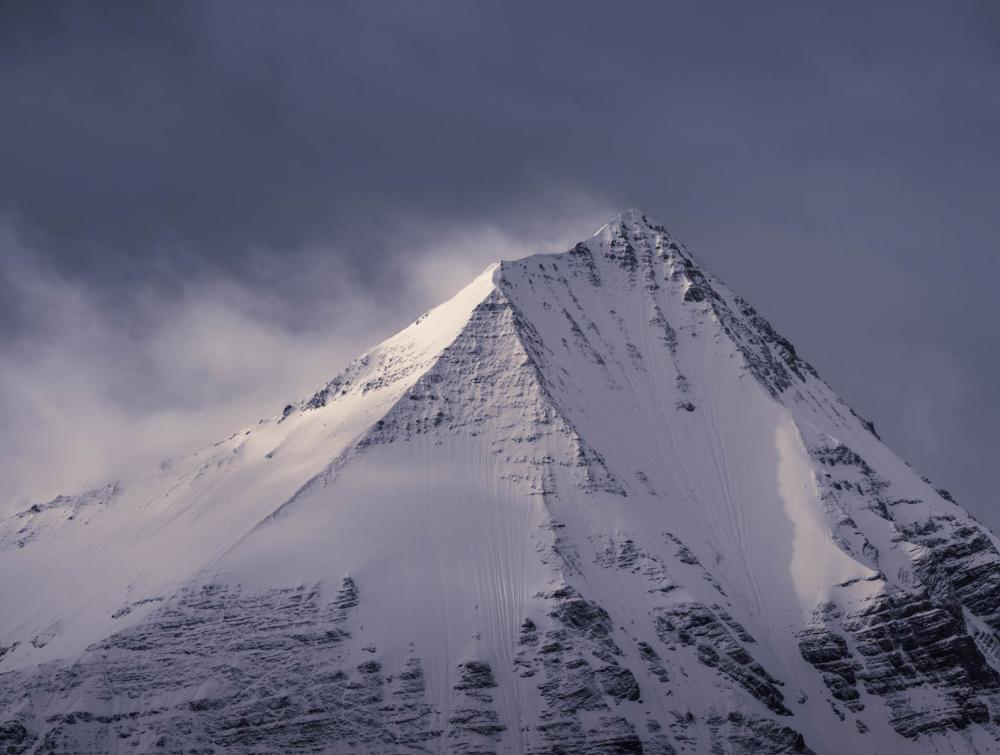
(91, 392)
(196, 183)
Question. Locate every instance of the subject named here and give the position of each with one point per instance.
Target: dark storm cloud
(295, 163)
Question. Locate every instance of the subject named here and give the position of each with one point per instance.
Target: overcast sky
(207, 208)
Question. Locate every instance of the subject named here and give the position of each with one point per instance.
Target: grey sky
(207, 207)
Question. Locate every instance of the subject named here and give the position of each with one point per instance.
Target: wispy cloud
(90, 392)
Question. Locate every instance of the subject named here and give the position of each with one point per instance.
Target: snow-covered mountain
(594, 503)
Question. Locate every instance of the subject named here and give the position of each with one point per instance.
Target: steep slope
(592, 504)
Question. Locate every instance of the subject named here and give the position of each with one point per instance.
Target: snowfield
(593, 503)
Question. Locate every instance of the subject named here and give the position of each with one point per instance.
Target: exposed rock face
(219, 667)
(716, 647)
(908, 642)
(829, 653)
(44, 519)
(593, 504)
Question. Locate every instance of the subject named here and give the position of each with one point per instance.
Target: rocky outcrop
(716, 646)
(908, 646)
(45, 519)
(473, 722)
(828, 652)
(742, 733)
(218, 667)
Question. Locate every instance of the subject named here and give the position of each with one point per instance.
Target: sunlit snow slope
(594, 503)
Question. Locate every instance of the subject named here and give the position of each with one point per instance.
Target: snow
(815, 562)
(560, 415)
(164, 530)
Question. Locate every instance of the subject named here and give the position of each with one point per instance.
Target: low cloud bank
(92, 390)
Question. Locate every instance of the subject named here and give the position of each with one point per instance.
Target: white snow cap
(593, 503)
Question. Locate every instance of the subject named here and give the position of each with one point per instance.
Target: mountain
(593, 503)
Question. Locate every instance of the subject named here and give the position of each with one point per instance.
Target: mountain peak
(632, 218)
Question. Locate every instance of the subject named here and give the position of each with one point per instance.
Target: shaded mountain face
(594, 503)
